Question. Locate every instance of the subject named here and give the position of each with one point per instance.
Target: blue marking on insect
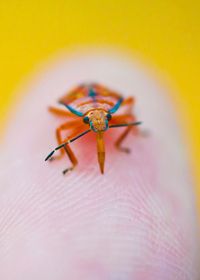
(92, 93)
(74, 111)
(116, 107)
(106, 125)
(92, 127)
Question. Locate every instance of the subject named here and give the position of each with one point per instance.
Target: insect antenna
(64, 144)
(125, 124)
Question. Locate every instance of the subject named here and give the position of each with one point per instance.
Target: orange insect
(94, 109)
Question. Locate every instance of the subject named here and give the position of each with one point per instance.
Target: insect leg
(59, 130)
(72, 158)
(67, 148)
(121, 139)
(124, 119)
(129, 102)
(60, 112)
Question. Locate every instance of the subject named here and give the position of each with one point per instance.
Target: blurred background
(164, 35)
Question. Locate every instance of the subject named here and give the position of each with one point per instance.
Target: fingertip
(130, 219)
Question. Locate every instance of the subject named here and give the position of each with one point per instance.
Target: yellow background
(165, 34)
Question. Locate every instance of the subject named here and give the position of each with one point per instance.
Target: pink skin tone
(137, 221)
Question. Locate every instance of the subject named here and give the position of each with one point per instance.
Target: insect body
(93, 108)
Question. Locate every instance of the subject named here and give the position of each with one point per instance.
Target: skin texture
(137, 221)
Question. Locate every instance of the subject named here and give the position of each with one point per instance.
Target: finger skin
(137, 221)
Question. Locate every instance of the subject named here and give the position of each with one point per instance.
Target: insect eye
(86, 119)
(109, 117)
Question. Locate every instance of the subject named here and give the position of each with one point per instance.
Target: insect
(94, 109)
